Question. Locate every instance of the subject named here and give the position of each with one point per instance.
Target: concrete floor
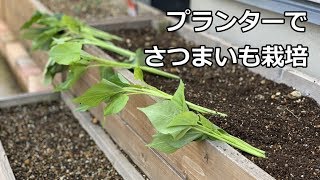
(8, 84)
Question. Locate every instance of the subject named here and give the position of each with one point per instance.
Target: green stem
(230, 137)
(233, 141)
(204, 110)
(159, 72)
(157, 93)
(111, 63)
(113, 48)
(100, 34)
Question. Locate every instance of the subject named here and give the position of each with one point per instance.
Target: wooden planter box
(197, 160)
(123, 166)
(131, 130)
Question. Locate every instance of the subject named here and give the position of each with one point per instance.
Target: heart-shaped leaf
(66, 53)
(116, 104)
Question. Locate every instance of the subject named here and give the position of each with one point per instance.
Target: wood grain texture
(147, 159)
(5, 169)
(195, 161)
(17, 12)
(202, 156)
(104, 142)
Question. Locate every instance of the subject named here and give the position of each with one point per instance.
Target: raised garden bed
(205, 159)
(42, 139)
(271, 116)
(195, 161)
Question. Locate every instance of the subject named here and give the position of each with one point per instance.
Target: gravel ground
(45, 141)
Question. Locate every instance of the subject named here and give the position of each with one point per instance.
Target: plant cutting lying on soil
(175, 123)
(65, 36)
(271, 116)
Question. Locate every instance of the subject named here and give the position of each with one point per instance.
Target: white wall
(264, 34)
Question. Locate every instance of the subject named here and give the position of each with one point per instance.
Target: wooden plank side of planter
(195, 161)
(104, 142)
(28, 98)
(17, 12)
(2, 9)
(202, 157)
(5, 168)
(147, 159)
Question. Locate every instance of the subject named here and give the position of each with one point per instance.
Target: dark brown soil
(44, 141)
(260, 111)
(88, 10)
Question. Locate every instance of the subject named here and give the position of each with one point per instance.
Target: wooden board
(28, 98)
(147, 159)
(195, 161)
(5, 169)
(104, 142)
(17, 12)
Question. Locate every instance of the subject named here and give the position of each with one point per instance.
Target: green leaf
(187, 118)
(188, 137)
(161, 114)
(161, 142)
(138, 74)
(33, 33)
(116, 78)
(51, 70)
(48, 76)
(62, 40)
(167, 144)
(206, 123)
(73, 76)
(83, 108)
(71, 23)
(119, 80)
(180, 132)
(122, 79)
(140, 57)
(106, 72)
(116, 104)
(179, 99)
(35, 17)
(98, 93)
(66, 53)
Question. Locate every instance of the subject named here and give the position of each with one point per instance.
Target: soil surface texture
(89, 10)
(270, 116)
(45, 141)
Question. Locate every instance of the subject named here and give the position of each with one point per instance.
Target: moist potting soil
(268, 115)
